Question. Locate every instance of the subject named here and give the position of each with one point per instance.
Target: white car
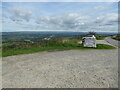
(89, 41)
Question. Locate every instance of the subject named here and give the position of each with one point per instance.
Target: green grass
(7, 44)
(65, 46)
(100, 38)
(116, 38)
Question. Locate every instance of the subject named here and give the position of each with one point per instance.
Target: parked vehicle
(89, 41)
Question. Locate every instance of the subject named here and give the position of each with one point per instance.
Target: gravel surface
(66, 69)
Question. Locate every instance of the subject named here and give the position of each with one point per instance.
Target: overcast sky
(60, 16)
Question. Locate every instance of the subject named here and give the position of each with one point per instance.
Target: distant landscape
(10, 37)
(28, 42)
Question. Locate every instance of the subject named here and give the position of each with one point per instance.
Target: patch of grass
(75, 40)
(8, 44)
(65, 46)
(116, 38)
(100, 38)
(104, 46)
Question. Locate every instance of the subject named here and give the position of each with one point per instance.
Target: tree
(92, 33)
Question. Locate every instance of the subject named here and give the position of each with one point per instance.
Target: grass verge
(116, 39)
(65, 46)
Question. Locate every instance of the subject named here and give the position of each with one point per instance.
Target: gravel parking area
(62, 69)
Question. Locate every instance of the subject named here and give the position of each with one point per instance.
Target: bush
(117, 37)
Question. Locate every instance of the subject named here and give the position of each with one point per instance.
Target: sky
(60, 16)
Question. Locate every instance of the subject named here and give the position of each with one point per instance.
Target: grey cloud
(109, 19)
(64, 21)
(18, 14)
(74, 21)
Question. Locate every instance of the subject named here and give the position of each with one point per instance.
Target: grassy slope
(116, 39)
(64, 46)
(71, 44)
